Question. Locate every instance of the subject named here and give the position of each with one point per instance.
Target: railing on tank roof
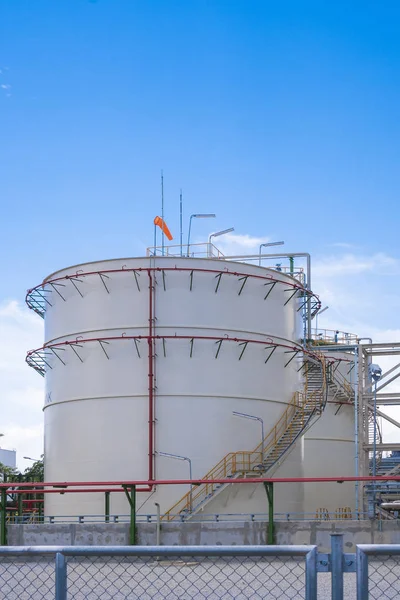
(208, 250)
(203, 250)
(331, 336)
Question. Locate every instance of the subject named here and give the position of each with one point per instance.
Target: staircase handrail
(343, 383)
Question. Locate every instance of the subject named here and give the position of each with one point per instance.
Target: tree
(7, 473)
(35, 472)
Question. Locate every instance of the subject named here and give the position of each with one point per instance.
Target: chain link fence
(378, 571)
(27, 577)
(117, 573)
(199, 572)
(181, 577)
(384, 577)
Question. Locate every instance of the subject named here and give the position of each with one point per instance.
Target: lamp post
(29, 458)
(319, 313)
(253, 418)
(197, 216)
(179, 457)
(268, 244)
(217, 234)
(375, 373)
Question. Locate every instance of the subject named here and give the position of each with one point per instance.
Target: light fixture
(253, 418)
(217, 234)
(198, 216)
(268, 244)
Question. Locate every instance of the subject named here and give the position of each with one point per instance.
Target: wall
(205, 534)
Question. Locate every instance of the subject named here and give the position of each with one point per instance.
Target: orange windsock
(163, 226)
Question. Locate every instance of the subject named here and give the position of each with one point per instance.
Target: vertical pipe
(190, 227)
(132, 529)
(158, 527)
(374, 454)
(3, 528)
(155, 239)
(191, 485)
(309, 335)
(291, 265)
(61, 577)
(356, 426)
(151, 379)
(107, 507)
(337, 565)
(262, 440)
(180, 223)
(162, 212)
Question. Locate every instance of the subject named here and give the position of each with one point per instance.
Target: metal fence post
(337, 565)
(362, 575)
(311, 575)
(61, 577)
(107, 507)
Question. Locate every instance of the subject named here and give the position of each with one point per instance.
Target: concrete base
(206, 534)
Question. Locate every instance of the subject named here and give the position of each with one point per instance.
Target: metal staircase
(305, 407)
(339, 389)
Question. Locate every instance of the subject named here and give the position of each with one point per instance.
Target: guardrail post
(107, 507)
(337, 565)
(3, 526)
(61, 577)
(269, 488)
(362, 574)
(311, 575)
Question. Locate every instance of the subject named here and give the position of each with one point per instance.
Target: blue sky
(283, 118)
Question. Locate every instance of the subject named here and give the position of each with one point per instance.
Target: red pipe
(151, 378)
(267, 341)
(149, 484)
(159, 269)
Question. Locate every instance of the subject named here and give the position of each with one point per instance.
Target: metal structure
(361, 395)
(141, 354)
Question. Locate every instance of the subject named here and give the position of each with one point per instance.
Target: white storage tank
(152, 355)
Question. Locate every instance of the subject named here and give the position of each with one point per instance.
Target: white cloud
(22, 388)
(343, 245)
(234, 244)
(351, 264)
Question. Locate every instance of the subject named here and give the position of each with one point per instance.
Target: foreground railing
(198, 572)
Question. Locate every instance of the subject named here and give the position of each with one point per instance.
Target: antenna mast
(180, 222)
(162, 212)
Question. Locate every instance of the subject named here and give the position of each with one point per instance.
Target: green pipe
(132, 530)
(291, 264)
(132, 503)
(3, 526)
(107, 506)
(269, 488)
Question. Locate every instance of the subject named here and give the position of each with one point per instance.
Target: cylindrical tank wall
(329, 449)
(97, 392)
